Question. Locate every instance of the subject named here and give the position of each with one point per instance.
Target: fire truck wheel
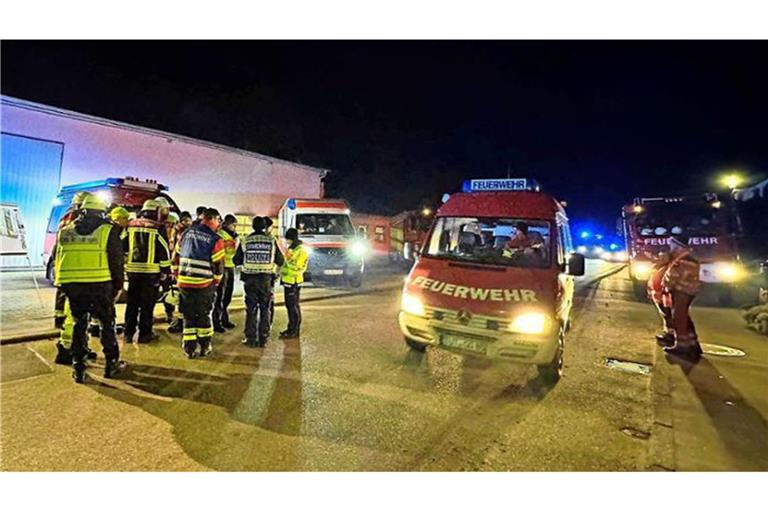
(416, 345)
(640, 288)
(551, 372)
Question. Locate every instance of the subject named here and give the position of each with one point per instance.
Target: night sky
(399, 123)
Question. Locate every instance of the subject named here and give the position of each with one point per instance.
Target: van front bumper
(491, 343)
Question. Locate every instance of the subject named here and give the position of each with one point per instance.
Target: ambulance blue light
(585, 234)
(613, 247)
(500, 185)
(291, 204)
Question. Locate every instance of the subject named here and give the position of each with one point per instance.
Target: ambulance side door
(566, 283)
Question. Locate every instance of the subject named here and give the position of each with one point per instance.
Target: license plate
(453, 341)
(333, 272)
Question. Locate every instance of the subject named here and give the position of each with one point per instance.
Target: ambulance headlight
(729, 272)
(528, 323)
(642, 269)
(359, 248)
(412, 305)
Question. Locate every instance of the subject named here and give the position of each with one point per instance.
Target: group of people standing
(191, 260)
(672, 287)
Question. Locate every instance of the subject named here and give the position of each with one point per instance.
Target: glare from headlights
(728, 272)
(359, 248)
(528, 323)
(309, 249)
(412, 305)
(105, 196)
(642, 269)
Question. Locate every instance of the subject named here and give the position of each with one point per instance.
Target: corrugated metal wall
(30, 174)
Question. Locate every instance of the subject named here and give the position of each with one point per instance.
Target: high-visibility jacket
(200, 257)
(259, 254)
(147, 249)
(230, 247)
(682, 275)
(82, 258)
(296, 261)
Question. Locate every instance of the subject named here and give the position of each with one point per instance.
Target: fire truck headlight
(528, 323)
(105, 197)
(359, 248)
(642, 270)
(728, 272)
(412, 305)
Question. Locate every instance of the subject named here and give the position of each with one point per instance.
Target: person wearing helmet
(148, 265)
(89, 269)
(172, 300)
(163, 209)
(120, 217)
(74, 208)
(292, 276)
(228, 233)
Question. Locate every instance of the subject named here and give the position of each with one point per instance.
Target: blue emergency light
(500, 185)
(291, 204)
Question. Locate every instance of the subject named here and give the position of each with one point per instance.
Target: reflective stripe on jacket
(82, 258)
(147, 249)
(683, 275)
(259, 254)
(296, 261)
(200, 257)
(230, 247)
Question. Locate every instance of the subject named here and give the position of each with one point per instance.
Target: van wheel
(416, 346)
(551, 372)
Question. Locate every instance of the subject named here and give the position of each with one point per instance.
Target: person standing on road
(200, 261)
(268, 222)
(682, 281)
(172, 299)
(291, 277)
(662, 298)
(228, 233)
(259, 256)
(89, 268)
(148, 265)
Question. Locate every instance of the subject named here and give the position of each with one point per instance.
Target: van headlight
(412, 305)
(359, 248)
(528, 323)
(642, 269)
(728, 272)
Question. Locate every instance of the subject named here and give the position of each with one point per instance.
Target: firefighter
(120, 217)
(259, 256)
(172, 299)
(228, 233)
(148, 265)
(200, 260)
(662, 299)
(291, 277)
(89, 268)
(682, 281)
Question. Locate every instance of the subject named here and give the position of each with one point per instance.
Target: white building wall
(197, 172)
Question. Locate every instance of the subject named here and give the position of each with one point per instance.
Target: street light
(732, 180)
(426, 212)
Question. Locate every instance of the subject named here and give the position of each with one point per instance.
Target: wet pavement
(350, 396)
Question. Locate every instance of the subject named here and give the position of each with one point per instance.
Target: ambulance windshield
(495, 241)
(324, 224)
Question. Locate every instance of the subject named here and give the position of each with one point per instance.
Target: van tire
(416, 346)
(551, 372)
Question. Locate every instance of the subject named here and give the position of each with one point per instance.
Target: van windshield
(496, 241)
(324, 224)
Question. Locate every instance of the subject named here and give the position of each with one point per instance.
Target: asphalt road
(350, 396)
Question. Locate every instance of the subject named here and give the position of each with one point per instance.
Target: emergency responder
(291, 277)
(200, 260)
(89, 268)
(172, 299)
(148, 264)
(199, 214)
(259, 256)
(268, 230)
(163, 212)
(120, 217)
(228, 233)
(168, 222)
(662, 298)
(682, 281)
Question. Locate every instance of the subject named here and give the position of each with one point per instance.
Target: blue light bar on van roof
(500, 185)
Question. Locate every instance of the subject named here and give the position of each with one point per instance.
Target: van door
(566, 283)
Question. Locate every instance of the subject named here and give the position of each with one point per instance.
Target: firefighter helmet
(150, 205)
(92, 202)
(78, 198)
(119, 213)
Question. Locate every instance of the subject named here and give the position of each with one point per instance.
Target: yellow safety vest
(259, 254)
(296, 261)
(82, 258)
(230, 248)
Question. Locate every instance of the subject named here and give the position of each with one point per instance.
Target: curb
(662, 443)
(44, 335)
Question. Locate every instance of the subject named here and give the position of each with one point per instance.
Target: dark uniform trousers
(143, 290)
(97, 300)
(196, 305)
(223, 297)
(292, 298)
(666, 316)
(258, 306)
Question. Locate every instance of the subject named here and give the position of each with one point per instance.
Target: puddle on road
(628, 366)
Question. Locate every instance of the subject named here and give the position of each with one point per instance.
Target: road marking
(37, 354)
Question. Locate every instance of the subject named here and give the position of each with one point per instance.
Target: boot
(148, 338)
(91, 355)
(685, 350)
(176, 327)
(206, 348)
(250, 342)
(94, 330)
(228, 325)
(219, 328)
(78, 372)
(63, 355)
(665, 339)
(263, 342)
(113, 368)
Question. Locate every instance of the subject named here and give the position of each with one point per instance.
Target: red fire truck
(707, 224)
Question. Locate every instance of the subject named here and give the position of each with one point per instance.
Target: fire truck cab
(128, 192)
(325, 228)
(495, 276)
(705, 222)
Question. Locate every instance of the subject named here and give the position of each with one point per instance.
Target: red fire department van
(483, 286)
(128, 192)
(705, 222)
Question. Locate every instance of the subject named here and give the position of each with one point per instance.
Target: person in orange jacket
(661, 298)
(682, 281)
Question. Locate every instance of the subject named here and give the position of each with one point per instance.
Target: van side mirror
(576, 263)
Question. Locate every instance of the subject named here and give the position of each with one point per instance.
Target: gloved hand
(58, 322)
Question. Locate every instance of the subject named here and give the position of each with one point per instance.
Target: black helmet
(292, 234)
(258, 223)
